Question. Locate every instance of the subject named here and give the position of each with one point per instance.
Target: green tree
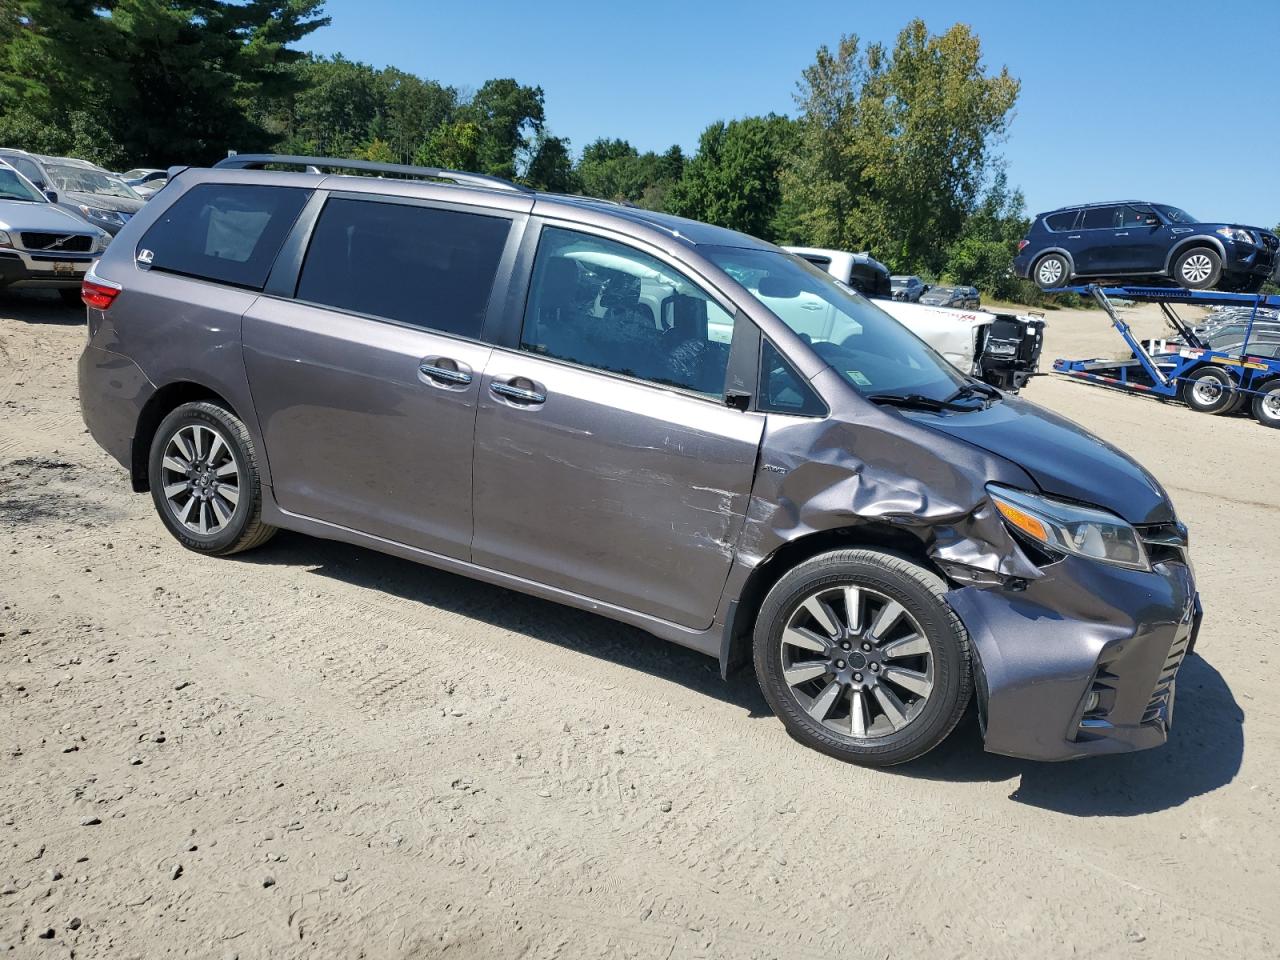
(896, 146)
(735, 178)
(552, 166)
(495, 132)
(615, 170)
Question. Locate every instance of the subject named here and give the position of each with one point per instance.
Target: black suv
(1140, 240)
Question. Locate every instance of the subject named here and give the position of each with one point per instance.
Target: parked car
(83, 188)
(674, 425)
(1002, 349)
(908, 289)
(1140, 240)
(145, 181)
(861, 271)
(958, 298)
(41, 245)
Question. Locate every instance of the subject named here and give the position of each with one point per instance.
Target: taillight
(98, 294)
(1022, 244)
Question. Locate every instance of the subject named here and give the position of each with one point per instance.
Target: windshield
(1175, 215)
(873, 352)
(14, 186)
(901, 281)
(84, 180)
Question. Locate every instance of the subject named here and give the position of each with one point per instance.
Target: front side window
(228, 233)
(872, 352)
(782, 389)
(15, 187)
(1139, 217)
(424, 266)
(606, 305)
(24, 167)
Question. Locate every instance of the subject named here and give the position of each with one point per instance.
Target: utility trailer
(1206, 379)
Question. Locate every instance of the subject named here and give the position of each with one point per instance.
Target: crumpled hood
(1064, 459)
(41, 217)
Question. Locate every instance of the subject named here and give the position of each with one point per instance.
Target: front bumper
(23, 268)
(1085, 628)
(1249, 259)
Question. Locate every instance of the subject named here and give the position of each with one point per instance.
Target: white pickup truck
(1002, 349)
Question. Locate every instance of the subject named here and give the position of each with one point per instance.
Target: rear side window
(1101, 218)
(423, 266)
(225, 232)
(1061, 221)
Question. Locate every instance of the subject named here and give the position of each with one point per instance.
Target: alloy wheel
(201, 479)
(1050, 271)
(856, 661)
(1196, 268)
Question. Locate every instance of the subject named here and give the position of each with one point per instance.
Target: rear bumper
(113, 391)
(1085, 628)
(20, 268)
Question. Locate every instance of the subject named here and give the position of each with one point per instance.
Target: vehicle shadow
(39, 306)
(542, 620)
(1204, 752)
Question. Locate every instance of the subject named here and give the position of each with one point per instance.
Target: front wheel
(861, 658)
(1210, 390)
(1266, 404)
(1052, 271)
(1198, 268)
(204, 480)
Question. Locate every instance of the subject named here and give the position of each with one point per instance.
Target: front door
(606, 462)
(365, 385)
(1141, 241)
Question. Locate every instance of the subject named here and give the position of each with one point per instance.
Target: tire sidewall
(947, 640)
(1064, 279)
(217, 419)
(1227, 401)
(1215, 272)
(1259, 410)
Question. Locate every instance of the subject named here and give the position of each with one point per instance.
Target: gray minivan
(671, 424)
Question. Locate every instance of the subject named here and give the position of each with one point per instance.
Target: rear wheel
(1198, 268)
(1266, 404)
(1051, 271)
(204, 480)
(861, 658)
(1210, 390)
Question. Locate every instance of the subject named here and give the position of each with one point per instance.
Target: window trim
(511, 335)
(286, 276)
(1115, 209)
(808, 385)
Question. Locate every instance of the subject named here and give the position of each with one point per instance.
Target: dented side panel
(613, 489)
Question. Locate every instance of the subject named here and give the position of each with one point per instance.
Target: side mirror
(52, 195)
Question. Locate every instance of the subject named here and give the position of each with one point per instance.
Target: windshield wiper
(976, 388)
(916, 401)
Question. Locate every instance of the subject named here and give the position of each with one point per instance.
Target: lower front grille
(65, 242)
(1158, 705)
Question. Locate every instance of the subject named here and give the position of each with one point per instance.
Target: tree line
(892, 149)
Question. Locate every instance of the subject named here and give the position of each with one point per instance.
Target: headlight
(5, 239)
(97, 213)
(100, 243)
(1235, 233)
(1068, 528)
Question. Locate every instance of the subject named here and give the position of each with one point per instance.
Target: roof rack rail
(256, 161)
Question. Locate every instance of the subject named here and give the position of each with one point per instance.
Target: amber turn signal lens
(1023, 521)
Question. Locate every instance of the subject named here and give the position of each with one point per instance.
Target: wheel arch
(1060, 251)
(735, 644)
(158, 406)
(1198, 240)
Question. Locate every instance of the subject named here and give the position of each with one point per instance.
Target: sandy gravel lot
(316, 751)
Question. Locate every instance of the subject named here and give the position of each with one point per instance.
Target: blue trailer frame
(1167, 374)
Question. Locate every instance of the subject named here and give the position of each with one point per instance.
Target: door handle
(1125, 234)
(517, 394)
(443, 374)
(1074, 237)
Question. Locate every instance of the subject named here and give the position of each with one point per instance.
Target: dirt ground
(316, 751)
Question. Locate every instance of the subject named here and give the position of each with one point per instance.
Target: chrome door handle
(1125, 234)
(518, 394)
(1075, 236)
(444, 373)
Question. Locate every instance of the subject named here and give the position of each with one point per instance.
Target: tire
(1210, 390)
(70, 296)
(1050, 271)
(220, 510)
(1197, 268)
(1266, 404)
(915, 664)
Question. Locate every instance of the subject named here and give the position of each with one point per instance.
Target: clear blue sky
(1171, 101)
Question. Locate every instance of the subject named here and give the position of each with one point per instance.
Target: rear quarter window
(227, 233)
(1058, 222)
